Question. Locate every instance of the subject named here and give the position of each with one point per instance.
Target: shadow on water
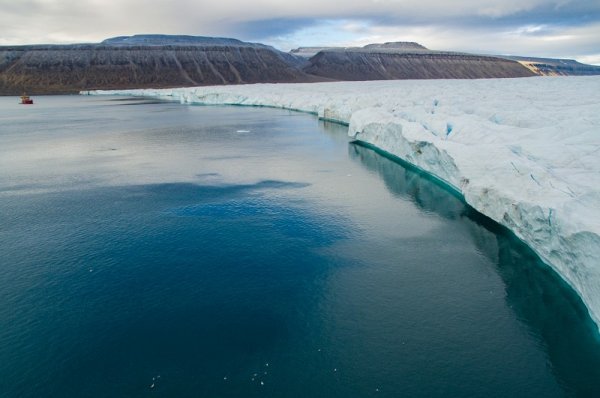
(553, 314)
(120, 101)
(154, 279)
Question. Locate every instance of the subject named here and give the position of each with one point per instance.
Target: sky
(544, 28)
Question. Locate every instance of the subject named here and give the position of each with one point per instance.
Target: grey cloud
(29, 21)
(260, 29)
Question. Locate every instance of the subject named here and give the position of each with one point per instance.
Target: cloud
(516, 26)
(263, 28)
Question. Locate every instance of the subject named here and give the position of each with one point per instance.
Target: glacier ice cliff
(524, 152)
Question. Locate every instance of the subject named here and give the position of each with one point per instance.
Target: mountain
(309, 52)
(407, 60)
(176, 40)
(161, 61)
(396, 46)
(143, 61)
(555, 67)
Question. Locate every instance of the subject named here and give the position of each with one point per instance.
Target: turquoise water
(156, 249)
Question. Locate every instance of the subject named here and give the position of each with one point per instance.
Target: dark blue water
(155, 249)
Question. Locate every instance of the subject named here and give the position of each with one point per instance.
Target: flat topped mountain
(162, 61)
(396, 45)
(408, 60)
(176, 40)
(144, 61)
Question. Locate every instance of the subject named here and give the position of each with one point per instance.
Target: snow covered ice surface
(524, 152)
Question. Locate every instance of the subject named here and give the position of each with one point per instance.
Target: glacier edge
(524, 152)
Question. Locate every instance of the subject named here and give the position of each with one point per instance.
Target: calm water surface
(155, 249)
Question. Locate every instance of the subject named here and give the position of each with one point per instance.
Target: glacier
(524, 152)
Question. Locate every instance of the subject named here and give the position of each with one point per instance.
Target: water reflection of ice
(548, 307)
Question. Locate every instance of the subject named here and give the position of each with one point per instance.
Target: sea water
(156, 249)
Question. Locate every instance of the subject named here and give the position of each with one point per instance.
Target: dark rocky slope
(143, 61)
(157, 61)
(386, 62)
(556, 67)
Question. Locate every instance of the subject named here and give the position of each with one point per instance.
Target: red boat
(25, 100)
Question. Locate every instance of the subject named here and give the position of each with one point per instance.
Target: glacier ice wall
(524, 152)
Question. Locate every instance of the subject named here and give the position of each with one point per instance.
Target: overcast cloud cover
(553, 28)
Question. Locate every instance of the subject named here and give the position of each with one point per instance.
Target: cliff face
(65, 69)
(556, 67)
(378, 64)
(161, 61)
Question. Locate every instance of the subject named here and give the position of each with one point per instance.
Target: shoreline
(522, 152)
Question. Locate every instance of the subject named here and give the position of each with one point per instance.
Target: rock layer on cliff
(144, 61)
(71, 68)
(556, 67)
(382, 64)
